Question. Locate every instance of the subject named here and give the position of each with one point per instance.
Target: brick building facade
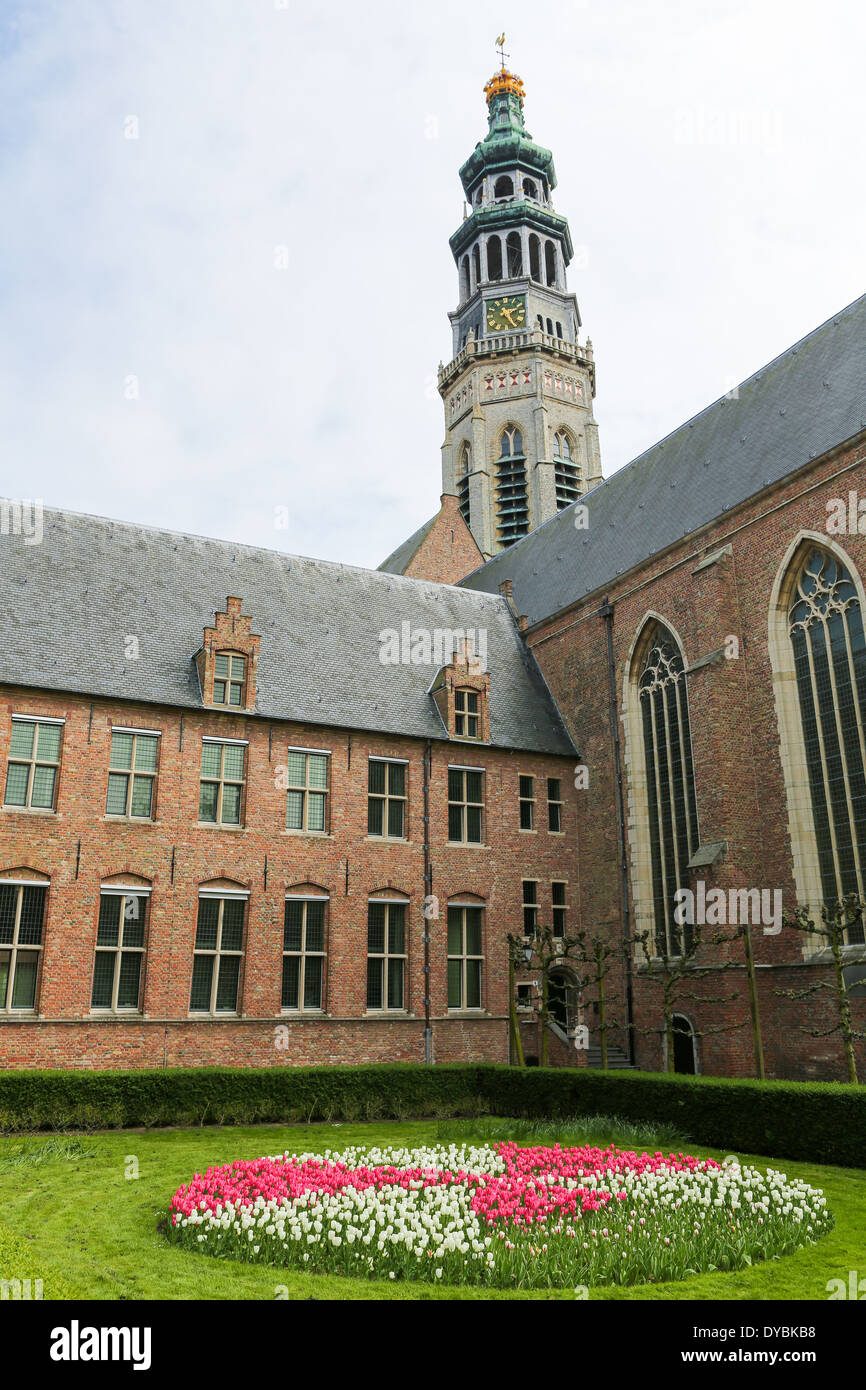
(264, 810)
(323, 853)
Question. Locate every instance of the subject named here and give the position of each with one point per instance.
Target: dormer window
(229, 679)
(467, 713)
(228, 659)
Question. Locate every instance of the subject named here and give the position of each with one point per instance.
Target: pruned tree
(675, 972)
(838, 918)
(599, 956)
(543, 952)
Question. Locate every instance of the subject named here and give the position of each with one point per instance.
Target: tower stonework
(521, 442)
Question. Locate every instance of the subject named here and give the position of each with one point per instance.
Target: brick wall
(448, 552)
(740, 786)
(78, 848)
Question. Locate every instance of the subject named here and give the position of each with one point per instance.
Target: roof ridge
(793, 348)
(336, 565)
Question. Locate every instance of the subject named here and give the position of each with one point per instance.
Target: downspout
(428, 893)
(606, 612)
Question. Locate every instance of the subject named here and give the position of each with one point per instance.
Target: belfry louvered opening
(564, 470)
(464, 468)
(512, 506)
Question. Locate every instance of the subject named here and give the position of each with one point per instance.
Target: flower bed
(502, 1216)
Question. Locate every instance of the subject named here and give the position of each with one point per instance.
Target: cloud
(268, 257)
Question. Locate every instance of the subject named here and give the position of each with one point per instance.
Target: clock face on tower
(507, 312)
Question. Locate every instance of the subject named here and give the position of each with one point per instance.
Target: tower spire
(521, 441)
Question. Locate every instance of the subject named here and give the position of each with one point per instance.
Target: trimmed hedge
(820, 1121)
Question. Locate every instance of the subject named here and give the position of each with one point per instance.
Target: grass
(82, 1214)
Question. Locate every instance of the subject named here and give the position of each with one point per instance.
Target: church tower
(521, 442)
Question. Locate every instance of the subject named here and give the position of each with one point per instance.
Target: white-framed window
(465, 955)
(221, 792)
(554, 805)
(307, 783)
(118, 968)
(230, 675)
(466, 805)
(530, 907)
(34, 763)
(304, 953)
(527, 802)
(525, 997)
(132, 773)
(22, 913)
(218, 954)
(386, 798)
(467, 714)
(386, 954)
(558, 891)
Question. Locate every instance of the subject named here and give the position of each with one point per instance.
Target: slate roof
(69, 603)
(398, 560)
(805, 402)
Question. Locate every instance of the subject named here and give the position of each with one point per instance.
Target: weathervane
(500, 44)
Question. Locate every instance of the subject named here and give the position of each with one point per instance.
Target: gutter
(606, 612)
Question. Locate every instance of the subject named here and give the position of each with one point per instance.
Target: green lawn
(72, 1217)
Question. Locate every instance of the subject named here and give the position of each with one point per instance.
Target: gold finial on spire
(503, 80)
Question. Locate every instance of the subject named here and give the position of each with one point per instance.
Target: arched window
(670, 805)
(558, 329)
(511, 501)
(494, 258)
(550, 262)
(476, 264)
(565, 470)
(503, 188)
(530, 188)
(550, 328)
(825, 630)
(515, 255)
(464, 468)
(464, 278)
(534, 257)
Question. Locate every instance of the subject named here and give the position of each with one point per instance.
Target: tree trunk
(753, 1004)
(844, 1008)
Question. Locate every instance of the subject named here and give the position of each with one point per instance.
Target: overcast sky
(224, 263)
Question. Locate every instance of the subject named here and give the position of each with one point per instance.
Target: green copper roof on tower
(507, 141)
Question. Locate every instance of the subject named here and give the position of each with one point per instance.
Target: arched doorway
(557, 1000)
(684, 1045)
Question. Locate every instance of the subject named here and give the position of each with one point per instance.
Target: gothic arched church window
(825, 628)
(671, 805)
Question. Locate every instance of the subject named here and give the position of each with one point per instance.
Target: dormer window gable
(461, 693)
(228, 660)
